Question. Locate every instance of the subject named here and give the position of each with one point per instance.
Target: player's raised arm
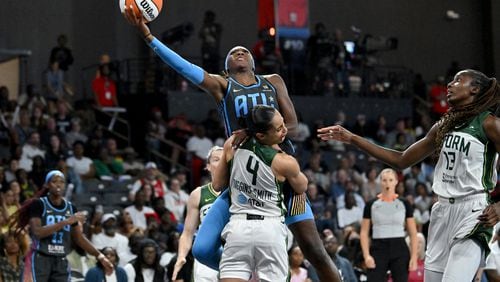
(211, 83)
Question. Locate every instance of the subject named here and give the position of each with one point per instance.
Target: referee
(387, 216)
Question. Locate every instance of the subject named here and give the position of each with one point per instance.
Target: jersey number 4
(253, 169)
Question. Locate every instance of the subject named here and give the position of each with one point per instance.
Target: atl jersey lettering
(254, 187)
(207, 198)
(59, 242)
(466, 162)
(239, 101)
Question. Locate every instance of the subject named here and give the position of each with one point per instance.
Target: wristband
(100, 256)
(190, 71)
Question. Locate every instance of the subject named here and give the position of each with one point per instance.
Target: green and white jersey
(254, 187)
(207, 198)
(466, 162)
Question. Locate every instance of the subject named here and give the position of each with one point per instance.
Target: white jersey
(254, 187)
(467, 162)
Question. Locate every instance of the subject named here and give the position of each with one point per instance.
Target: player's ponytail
(258, 120)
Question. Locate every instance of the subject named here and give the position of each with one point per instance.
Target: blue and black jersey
(240, 99)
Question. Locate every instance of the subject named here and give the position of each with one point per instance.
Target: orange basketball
(150, 9)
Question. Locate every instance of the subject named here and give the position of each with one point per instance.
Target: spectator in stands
(13, 247)
(400, 127)
(81, 164)
(146, 267)
(343, 264)
(95, 142)
(437, 93)
(27, 187)
(417, 275)
(108, 237)
(126, 227)
(198, 147)
(414, 176)
(61, 53)
(22, 129)
(37, 173)
(138, 210)
(301, 134)
(210, 36)
(104, 88)
(381, 131)
(79, 261)
(316, 199)
(350, 212)
(54, 81)
(107, 168)
(296, 261)
(320, 57)
(31, 98)
(56, 152)
(49, 130)
(75, 134)
(113, 150)
(176, 199)
(39, 117)
(97, 274)
(371, 186)
(9, 204)
(10, 171)
(63, 117)
(318, 170)
(131, 164)
(31, 149)
(153, 177)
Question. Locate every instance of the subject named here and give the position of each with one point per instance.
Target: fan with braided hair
(467, 140)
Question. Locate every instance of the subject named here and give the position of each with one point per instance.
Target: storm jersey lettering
(207, 198)
(58, 243)
(466, 162)
(254, 187)
(240, 100)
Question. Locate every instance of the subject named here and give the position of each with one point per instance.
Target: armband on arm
(190, 71)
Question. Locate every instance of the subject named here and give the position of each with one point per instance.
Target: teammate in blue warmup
(236, 93)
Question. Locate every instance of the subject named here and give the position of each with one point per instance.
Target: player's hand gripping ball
(150, 9)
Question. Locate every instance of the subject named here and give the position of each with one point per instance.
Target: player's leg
(306, 234)
(41, 267)
(61, 271)
(432, 276)
(237, 260)
(463, 262)
(207, 245)
(271, 256)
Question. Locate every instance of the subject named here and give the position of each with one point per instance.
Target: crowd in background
(44, 129)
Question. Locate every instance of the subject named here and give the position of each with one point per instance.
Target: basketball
(150, 9)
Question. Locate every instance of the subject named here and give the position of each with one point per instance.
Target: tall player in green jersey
(467, 139)
(199, 202)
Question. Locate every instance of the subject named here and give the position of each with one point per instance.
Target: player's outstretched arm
(399, 160)
(213, 84)
(190, 224)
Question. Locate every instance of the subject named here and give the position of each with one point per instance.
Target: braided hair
(487, 99)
